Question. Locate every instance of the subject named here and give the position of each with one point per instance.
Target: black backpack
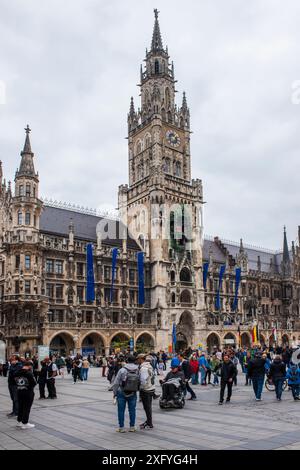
(132, 382)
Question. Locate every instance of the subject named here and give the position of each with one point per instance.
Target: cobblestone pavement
(84, 417)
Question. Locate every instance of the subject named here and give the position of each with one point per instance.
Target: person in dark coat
(228, 374)
(256, 372)
(15, 366)
(278, 375)
(42, 379)
(186, 369)
(25, 382)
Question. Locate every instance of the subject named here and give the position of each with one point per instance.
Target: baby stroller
(172, 394)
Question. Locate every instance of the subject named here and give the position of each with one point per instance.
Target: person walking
(85, 369)
(25, 383)
(77, 365)
(215, 367)
(203, 368)
(104, 366)
(228, 374)
(50, 381)
(194, 366)
(147, 388)
(164, 358)
(42, 379)
(256, 371)
(293, 376)
(278, 374)
(186, 369)
(125, 387)
(15, 366)
(69, 364)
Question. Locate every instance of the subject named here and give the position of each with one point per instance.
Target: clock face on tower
(173, 138)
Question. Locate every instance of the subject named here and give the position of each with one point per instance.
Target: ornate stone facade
(43, 251)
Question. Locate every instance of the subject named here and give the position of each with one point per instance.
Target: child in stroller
(173, 387)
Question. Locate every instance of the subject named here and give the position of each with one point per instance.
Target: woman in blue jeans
(129, 371)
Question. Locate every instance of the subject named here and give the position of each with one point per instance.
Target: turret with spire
(286, 263)
(27, 206)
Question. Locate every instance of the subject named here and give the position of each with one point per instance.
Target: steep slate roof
(56, 221)
(253, 253)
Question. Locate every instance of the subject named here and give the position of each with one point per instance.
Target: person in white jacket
(147, 388)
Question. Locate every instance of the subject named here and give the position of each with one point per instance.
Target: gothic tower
(162, 205)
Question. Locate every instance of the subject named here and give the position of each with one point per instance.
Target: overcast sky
(70, 68)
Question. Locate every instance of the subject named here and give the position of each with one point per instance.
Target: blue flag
(140, 260)
(237, 284)
(205, 274)
(218, 298)
(174, 338)
(113, 272)
(90, 281)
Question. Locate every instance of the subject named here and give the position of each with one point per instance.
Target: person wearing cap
(175, 373)
(147, 387)
(25, 382)
(256, 372)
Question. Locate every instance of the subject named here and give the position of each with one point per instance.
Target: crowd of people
(132, 376)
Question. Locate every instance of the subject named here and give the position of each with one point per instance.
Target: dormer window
(156, 67)
(21, 190)
(28, 190)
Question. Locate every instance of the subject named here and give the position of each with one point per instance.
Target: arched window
(185, 275)
(167, 97)
(173, 298)
(27, 218)
(177, 169)
(33, 191)
(169, 116)
(156, 67)
(172, 275)
(20, 221)
(185, 297)
(167, 165)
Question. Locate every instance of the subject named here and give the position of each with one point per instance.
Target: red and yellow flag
(254, 333)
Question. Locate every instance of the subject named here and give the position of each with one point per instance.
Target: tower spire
(286, 266)
(156, 44)
(26, 165)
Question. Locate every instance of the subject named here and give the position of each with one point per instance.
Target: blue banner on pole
(140, 260)
(113, 272)
(205, 274)
(90, 281)
(174, 336)
(237, 285)
(218, 298)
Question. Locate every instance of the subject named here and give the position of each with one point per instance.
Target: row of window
(27, 219)
(57, 266)
(88, 316)
(26, 190)
(56, 291)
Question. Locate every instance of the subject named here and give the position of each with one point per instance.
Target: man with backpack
(125, 386)
(147, 388)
